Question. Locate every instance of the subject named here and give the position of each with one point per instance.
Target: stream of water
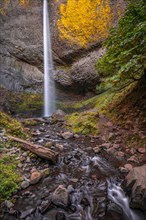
(117, 195)
(91, 182)
(49, 90)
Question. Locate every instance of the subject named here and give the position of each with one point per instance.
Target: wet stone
(26, 213)
(59, 146)
(28, 218)
(49, 144)
(24, 154)
(41, 141)
(74, 180)
(42, 129)
(24, 184)
(60, 216)
(8, 204)
(96, 150)
(70, 189)
(44, 206)
(60, 196)
(20, 165)
(133, 159)
(128, 166)
(120, 155)
(28, 160)
(123, 170)
(67, 135)
(141, 150)
(35, 177)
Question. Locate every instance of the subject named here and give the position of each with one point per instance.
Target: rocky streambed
(82, 185)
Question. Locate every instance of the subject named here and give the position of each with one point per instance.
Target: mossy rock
(12, 126)
(9, 177)
(85, 122)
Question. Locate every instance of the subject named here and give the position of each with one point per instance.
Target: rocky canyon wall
(21, 43)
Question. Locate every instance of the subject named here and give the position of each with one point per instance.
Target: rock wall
(21, 50)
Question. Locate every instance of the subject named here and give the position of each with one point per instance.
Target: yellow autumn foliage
(84, 21)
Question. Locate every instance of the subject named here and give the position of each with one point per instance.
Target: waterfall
(49, 90)
(117, 195)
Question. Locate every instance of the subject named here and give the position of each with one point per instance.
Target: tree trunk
(39, 150)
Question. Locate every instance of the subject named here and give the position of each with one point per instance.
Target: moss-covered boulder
(9, 177)
(12, 126)
(85, 122)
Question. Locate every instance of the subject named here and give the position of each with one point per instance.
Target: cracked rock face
(21, 51)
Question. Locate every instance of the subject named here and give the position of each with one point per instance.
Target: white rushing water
(117, 195)
(49, 90)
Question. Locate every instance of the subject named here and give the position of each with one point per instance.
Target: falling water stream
(117, 195)
(49, 93)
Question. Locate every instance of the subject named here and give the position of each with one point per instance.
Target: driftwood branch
(40, 151)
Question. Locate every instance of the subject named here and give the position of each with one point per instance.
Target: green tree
(125, 60)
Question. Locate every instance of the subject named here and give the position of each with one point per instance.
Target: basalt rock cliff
(21, 49)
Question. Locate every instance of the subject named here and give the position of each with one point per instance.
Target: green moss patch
(85, 122)
(11, 125)
(9, 177)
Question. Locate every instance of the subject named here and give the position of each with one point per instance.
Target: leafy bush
(125, 60)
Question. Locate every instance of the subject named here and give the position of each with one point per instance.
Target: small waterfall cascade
(49, 88)
(117, 195)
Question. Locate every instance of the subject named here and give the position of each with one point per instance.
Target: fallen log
(39, 150)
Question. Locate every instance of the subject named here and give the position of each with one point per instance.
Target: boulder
(128, 166)
(67, 135)
(135, 185)
(142, 150)
(35, 177)
(97, 150)
(60, 196)
(25, 184)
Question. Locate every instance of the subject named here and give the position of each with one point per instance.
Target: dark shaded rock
(60, 216)
(135, 185)
(97, 149)
(26, 213)
(8, 204)
(123, 170)
(37, 215)
(45, 205)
